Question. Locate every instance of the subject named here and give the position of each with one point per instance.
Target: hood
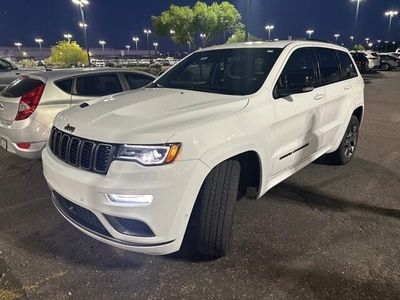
(146, 116)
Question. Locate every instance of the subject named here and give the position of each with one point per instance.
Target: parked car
(361, 61)
(374, 59)
(100, 63)
(10, 71)
(29, 104)
(133, 171)
(388, 62)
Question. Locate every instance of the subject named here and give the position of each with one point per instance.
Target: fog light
(131, 200)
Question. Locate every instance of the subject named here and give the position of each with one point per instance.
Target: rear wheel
(385, 67)
(216, 204)
(348, 146)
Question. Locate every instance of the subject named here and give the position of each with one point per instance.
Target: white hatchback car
(132, 169)
(29, 104)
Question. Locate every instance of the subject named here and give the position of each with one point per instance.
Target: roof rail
(312, 40)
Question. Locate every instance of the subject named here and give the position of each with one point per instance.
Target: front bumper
(174, 189)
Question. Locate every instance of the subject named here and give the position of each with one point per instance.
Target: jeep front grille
(81, 153)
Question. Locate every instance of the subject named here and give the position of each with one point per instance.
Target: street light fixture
(102, 43)
(390, 14)
(19, 48)
(203, 36)
(136, 40)
(148, 32)
(82, 4)
(155, 48)
(310, 32)
(356, 20)
(68, 36)
(269, 28)
(128, 47)
(40, 41)
(352, 40)
(367, 40)
(336, 37)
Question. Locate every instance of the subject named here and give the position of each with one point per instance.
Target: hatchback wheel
(348, 146)
(385, 67)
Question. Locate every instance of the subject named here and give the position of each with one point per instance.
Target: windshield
(226, 71)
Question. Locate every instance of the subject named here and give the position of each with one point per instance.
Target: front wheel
(217, 203)
(348, 146)
(385, 67)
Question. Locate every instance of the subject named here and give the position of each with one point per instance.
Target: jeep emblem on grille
(69, 128)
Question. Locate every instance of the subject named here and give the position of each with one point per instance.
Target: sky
(117, 21)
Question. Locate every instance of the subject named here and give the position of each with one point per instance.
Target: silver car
(29, 104)
(9, 72)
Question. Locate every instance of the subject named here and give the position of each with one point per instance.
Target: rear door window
(98, 85)
(20, 87)
(347, 68)
(136, 81)
(329, 66)
(65, 85)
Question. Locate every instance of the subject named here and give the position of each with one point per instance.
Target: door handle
(347, 87)
(18, 73)
(319, 96)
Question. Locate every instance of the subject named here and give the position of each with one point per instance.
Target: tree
(67, 54)
(239, 36)
(188, 23)
(359, 47)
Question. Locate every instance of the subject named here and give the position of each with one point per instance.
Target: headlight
(149, 155)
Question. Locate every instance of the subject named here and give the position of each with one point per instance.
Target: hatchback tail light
(29, 102)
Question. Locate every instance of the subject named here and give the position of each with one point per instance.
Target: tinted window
(98, 85)
(347, 68)
(329, 65)
(136, 81)
(226, 71)
(65, 85)
(20, 87)
(300, 62)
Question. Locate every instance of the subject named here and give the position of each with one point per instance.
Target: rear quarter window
(20, 87)
(347, 68)
(65, 85)
(329, 66)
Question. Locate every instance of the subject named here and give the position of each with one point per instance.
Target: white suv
(132, 169)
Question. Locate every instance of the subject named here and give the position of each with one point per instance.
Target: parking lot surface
(328, 232)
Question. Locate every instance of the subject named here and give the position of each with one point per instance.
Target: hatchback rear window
(20, 87)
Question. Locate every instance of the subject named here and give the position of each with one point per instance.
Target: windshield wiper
(154, 85)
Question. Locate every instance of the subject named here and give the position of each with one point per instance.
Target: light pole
(147, 32)
(40, 41)
(189, 46)
(81, 4)
(128, 47)
(352, 40)
(203, 36)
(172, 32)
(155, 49)
(390, 14)
(19, 48)
(68, 36)
(269, 28)
(102, 43)
(136, 40)
(356, 20)
(247, 20)
(336, 37)
(310, 32)
(367, 40)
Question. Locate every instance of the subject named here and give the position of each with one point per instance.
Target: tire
(216, 209)
(348, 146)
(385, 67)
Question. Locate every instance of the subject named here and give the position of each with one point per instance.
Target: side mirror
(295, 83)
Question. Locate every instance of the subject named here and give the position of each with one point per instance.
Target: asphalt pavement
(328, 232)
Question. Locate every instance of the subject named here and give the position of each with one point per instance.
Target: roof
(274, 44)
(61, 73)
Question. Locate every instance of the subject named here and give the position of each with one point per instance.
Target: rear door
(11, 95)
(339, 77)
(299, 117)
(92, 86)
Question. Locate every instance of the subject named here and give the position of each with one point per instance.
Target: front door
(299, 116)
